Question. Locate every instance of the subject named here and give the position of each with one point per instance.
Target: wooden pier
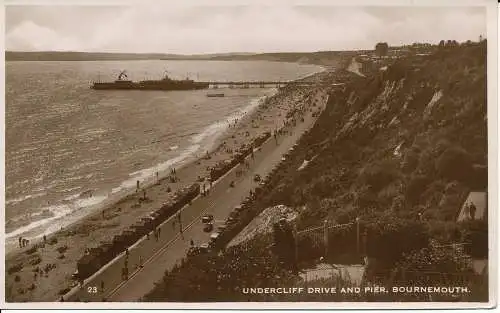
(254, 84)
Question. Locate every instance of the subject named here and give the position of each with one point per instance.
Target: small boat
(211, 95)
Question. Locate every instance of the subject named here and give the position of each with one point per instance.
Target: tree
(438, 266)
(441, 44)
(455, 164)
(389, 238)
(381, 49)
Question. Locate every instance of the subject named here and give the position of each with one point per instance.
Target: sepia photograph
(234, 152)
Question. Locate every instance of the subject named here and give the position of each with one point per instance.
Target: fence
(320, 240)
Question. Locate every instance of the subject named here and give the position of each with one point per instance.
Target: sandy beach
(40, 271)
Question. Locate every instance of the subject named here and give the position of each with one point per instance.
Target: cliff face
(400, 149)
(410, 139)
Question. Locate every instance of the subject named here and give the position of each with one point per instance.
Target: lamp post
(357, 235)
(325, 235)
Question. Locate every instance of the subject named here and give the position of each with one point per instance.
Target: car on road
(204, 247)
(238, 208)
(207, 218)
(214, 236)
(221, 228)
(208, 227)
(199, 249)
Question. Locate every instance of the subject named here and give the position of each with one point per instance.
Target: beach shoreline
(185, 158)
(94, 227)
(49, 221)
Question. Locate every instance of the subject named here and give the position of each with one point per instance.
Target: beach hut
(166, 210)
(99, 254)
(107, 252)
(139, 228)
(130, 237)
(147, 222)
(87, 265)
(156, 216)
(120, 242)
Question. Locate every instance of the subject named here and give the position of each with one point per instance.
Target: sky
(233, 28)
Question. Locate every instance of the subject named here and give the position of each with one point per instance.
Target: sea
(65, 141)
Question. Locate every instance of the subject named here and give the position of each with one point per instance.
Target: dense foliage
(400, 150)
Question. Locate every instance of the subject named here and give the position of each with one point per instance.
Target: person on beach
(191, 242)
(20, 240)
(137, 186)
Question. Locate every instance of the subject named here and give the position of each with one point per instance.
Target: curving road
(156, 256)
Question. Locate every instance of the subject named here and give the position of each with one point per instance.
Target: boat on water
(211, 95)
(166, 83)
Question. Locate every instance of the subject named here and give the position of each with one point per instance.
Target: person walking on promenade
(472, 211)
(159, 232)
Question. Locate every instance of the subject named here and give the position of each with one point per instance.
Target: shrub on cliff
(454, 164)
(389, 238)
(379, 174)
(475, 235)
(416, 187)
(439, 266)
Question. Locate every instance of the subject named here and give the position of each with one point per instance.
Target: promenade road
(158, 256)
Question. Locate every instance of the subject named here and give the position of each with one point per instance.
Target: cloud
(253, 28)
(30, 36)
